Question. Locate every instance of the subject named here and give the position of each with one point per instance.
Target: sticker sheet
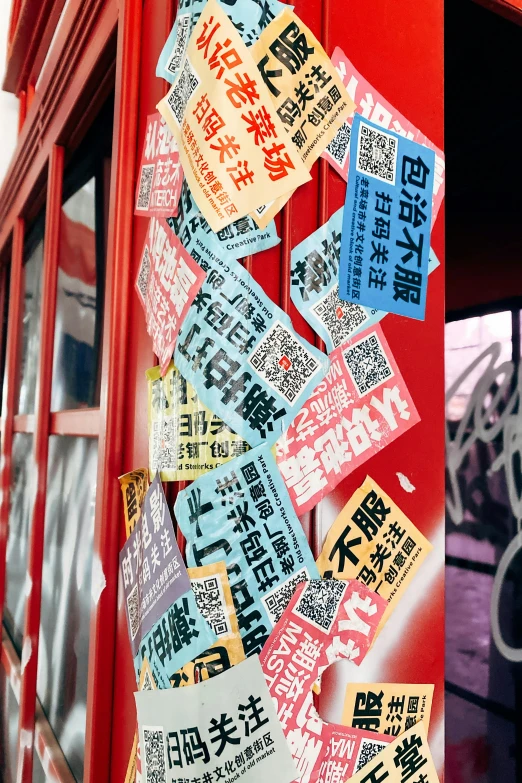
(314, 287)
(186, 439)
(241, 513)
(159, 182)
(232, 145)
(240, 353)
(371, 105)
(249, 17)
(152, 568)
(373, 541)
(387, 707)
(387, 222)
(226, 728)
(360, 407)
(325, 621)
(407, 758)
(167, 282)
(134, 486)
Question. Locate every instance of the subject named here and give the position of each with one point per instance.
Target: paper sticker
(159, 182)
(373, 541)
(211, 588)
(325, 621)
(168, 280)
(249, 17)
(226, 727)
(315, 286)
(232, 144)
(134, 486)
(386, 222)
(407, 758)
(241, 513)
(241, 354)
(387, 707)
(361, 407)
(348, 751)
(154, 575)
(146, 682)
(130, 775)
(371, 105)
(186, 439)
(306, 90)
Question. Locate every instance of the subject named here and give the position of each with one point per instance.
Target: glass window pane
(23, 476)
(8, 729)
(66, 592)
(78, 305)
(31, 329)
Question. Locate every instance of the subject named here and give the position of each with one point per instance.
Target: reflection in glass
(31, 329)
(66, 592)
(8, 729)
(23, 476)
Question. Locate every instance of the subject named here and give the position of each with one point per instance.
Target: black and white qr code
(180, 44)
(143, 275)
(367, 364)
(210, 601)
(367, 751)
(340, 144)
(153, 754)
(276, 601)
(147, 683)
(376, 154)
(133, 609)
(182, 90)
(320, 601)
(284, 362)
(163, 450)
(340, 319)
(145, 189)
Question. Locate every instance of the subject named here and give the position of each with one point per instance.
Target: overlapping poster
(241, 513)
(226, 727)
(134, 486)
(360, 407)
(160, 174)
(386, 222)
(242, 356)
(388, 707)
(373, 541)
(233, 146)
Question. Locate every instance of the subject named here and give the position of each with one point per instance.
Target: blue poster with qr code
(387, 221)
(241, 513)
(314, 286)
(244, 359)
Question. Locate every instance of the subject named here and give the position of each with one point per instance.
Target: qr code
(142, 281)
(163, 447)
(147, 682)
(182, 90)
(320, 601)
(133, 610)
(210, 601)
(367, 751)
(180, 44)
(278, 599)
(340, 319)
(340, 144)
(154, 754)
(376, 153)
(145, 189)
(284, 362)
(367, 364)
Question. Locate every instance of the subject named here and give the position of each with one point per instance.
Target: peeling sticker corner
(405, 483)
(26, 738)
(27, 649)
(98, 581)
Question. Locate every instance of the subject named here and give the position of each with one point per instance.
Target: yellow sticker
(232, 145)
(373, 541)
(386, 707)
(214, 600)
(147, 681)
(130, 775)
(306, 90)
(134, 486)
(185, 438)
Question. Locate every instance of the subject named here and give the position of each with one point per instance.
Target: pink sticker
(160, 178)
(361, 406)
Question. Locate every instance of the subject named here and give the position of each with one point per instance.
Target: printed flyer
(134, 486)
(159, 182)
(387, 707)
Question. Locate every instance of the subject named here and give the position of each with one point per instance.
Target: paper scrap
(159, 182)
(134, 486)
(387, 707)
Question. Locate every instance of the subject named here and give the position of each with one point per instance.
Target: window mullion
(40, 447)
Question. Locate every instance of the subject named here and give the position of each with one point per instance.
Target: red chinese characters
(159, 184)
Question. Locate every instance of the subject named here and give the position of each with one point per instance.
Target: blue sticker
(315, 289)
(241, 354)
(387, 221)
(249, 17)
(177, 637)
(241, 513)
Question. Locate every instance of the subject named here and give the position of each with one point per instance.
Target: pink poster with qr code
(360, 407)
(372, 106)
(160, 178)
